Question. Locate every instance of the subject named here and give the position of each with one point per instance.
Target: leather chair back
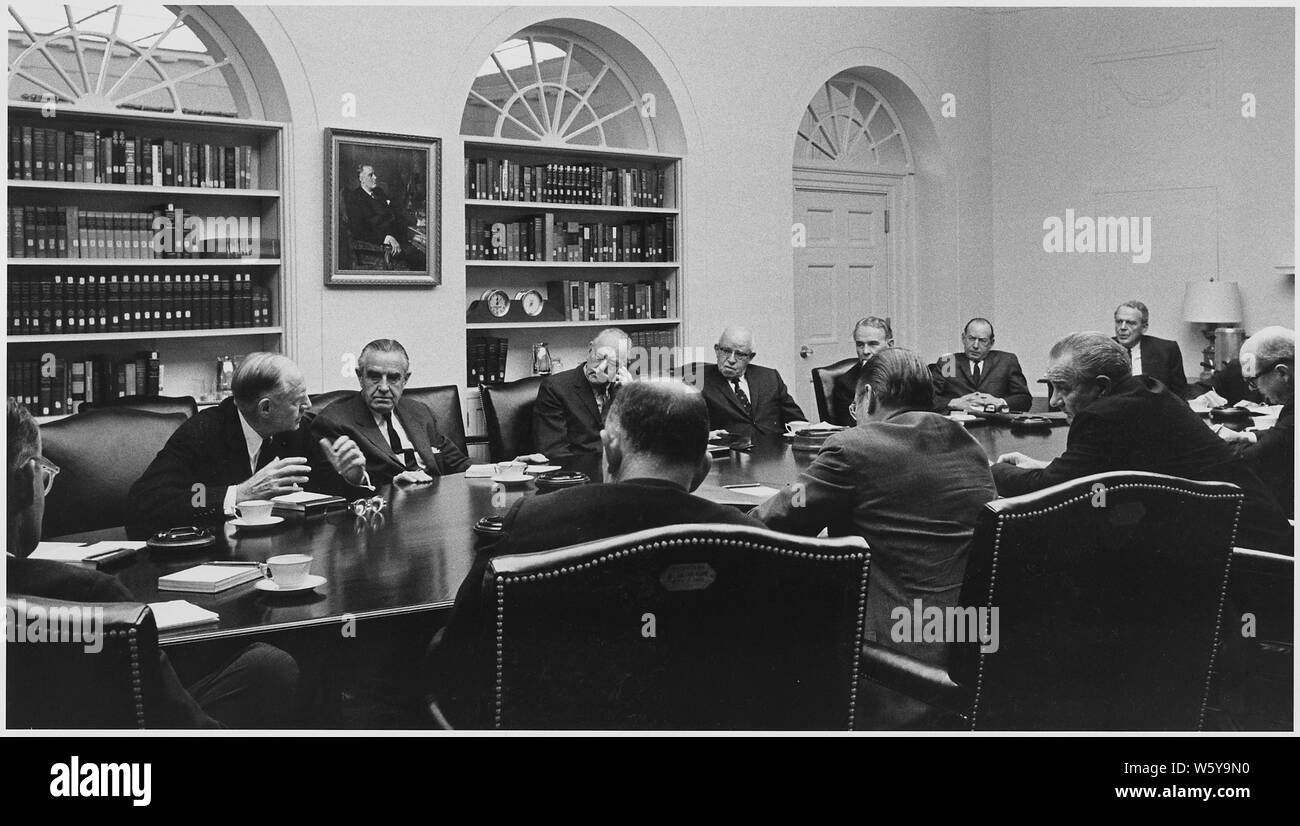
(823, 381)
(101, 453)
(508, 412)
(1262, 584)
(153, 404)
(320, 401)
(63, 685)
(444, 401)
(681, 627)
(1109, 591)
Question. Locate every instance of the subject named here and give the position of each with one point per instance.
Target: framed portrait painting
(382, 192)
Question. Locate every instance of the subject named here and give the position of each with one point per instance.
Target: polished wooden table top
(414, 556)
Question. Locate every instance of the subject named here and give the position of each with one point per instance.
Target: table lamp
(1216, 304)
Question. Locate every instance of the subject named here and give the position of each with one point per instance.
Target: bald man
(251, 446)
(572, 405)
(745, 399)
(1267, 364)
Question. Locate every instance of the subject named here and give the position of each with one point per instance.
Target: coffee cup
(255, 511)
(794, 427)
(289, 570)
(511, 469)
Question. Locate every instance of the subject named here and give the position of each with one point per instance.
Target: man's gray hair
(257, 376)
(1136, 305)
(1090, 355)
(1274, 345)
(878, 323)
(383, 345)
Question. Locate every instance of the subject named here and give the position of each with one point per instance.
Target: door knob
(805, 351)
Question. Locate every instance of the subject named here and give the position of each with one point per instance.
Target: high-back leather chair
(508, 412)
(153, 404)
(320, 401)
(76, 684)
(101, 453)
(1262, 585)
(444, 401)
(681, 627)
(1109, 591)
(823, 381)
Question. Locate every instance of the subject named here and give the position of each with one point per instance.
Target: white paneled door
(841, 273)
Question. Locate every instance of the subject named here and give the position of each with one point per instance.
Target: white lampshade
(1212, 302)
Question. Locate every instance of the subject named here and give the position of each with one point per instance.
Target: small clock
(532, 302)
(497, 301)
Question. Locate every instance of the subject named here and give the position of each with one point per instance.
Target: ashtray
(562, 479)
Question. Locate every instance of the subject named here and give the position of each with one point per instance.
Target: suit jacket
(843, 391)
(1140, 425)
(209, 449)
(460, 662)
(1163, 360)
(912, 486)
(1000, 375)
(566, 419)
(1273, 458)
(59, 580)
(371, 217)
(770, 403)
(350, 415)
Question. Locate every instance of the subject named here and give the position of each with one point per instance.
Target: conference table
(411, 557)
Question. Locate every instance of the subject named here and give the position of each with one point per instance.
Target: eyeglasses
(1252, 382)
(48, 471)
(740, 355)
(366, 507)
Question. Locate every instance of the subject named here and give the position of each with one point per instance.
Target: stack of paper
(88, 555)
(209, 579)
(180, 613)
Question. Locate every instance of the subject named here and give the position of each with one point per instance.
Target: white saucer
(240, 522)
(512, 480)
(310, 582)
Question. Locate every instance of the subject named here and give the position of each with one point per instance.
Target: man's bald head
(735, 349)
(1268, 359)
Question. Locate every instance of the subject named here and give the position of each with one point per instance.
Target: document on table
(180, 613)
(480, 471)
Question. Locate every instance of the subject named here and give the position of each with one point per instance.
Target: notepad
(760, 491)
(481, 471)
(89, 555)
(180, 613)
(541, 468)
(209, 579)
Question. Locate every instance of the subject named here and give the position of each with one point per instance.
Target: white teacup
(289, 570)
(511, 469)
(255, 511)
(794, 427)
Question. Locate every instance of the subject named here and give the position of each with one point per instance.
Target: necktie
(406, 455)
(264, 455)
(975, 371)
(744, 399)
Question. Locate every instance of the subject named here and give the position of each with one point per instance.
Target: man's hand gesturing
(281, 476)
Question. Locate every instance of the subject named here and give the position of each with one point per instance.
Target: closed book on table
(307, 502)
(209, 579)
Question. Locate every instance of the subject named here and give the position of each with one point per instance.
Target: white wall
(1139, 112)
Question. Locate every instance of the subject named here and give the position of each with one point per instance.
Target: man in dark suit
(399, 436)
(655, 453)
(572, 405)
(911, 483)
(1119, 421)
(373, 218)
(1158, 358)
(870, 336)
(255, 689)
(1267, 364)
(981, 376)
(745, 399)
(248, 447)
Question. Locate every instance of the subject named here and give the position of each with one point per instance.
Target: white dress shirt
(253, 443)
(382, 424)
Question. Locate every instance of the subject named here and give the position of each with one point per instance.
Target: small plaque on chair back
(688, 576)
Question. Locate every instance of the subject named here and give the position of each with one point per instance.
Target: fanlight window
(136, 56)
(557, 90)
(849, 125)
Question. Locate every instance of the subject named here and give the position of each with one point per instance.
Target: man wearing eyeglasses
(745, 399)
(571, 406)
(1267, 365)
(399, 436)
(256, 689)
(981, 376)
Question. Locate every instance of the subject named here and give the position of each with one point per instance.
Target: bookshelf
(94, 278)
(599, 226)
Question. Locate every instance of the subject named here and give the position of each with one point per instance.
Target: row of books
(486, 360)
(500, 179)
(165, 232)
(58, 303)
(56, 386)
(110, 156)
(542, 238)
(609, 300)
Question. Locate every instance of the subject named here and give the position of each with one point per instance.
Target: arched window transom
(849, 125)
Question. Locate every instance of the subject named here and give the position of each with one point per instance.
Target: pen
(234, 563)
(109, 553)
(738, 487)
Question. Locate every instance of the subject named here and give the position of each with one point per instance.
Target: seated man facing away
(248, 447)
(571, 406)
(1119, 421)
(256, 689)
(398, 436)
(745, 399)
(870, 336)
(980, 375)
(655, 452)
(911, 483)
(1267, 362)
